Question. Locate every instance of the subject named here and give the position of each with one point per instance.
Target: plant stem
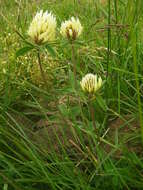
(118, 40)
(92, 113)
(109, 38)
(135, 52)
(107, 87)
(74, 64)
(41, 69)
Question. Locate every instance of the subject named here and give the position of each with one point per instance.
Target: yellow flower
(71, 29)
(91, 83)
(42, 27)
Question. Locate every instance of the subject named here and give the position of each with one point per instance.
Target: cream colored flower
(42, 27)
(91, 83)
(71, 29)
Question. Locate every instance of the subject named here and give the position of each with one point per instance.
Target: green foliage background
(46, 136)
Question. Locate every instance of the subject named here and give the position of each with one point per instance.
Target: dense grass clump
(71, 102)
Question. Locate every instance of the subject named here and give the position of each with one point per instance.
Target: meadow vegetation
(71, 109)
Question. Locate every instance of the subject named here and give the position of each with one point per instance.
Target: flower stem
(92, 113)
(74, 64)
(41, 69)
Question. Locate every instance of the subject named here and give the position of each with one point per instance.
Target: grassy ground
(47, 140)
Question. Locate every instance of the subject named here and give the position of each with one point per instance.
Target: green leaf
(74, 111)
(23, 50)
(101, 103)
(81, 43)
(71, 79)
(5, 187)
(64, 110)
(115, 180)
(50, 50)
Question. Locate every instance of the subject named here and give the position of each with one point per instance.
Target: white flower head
(43, 27)
(91, 83)
(71, 29)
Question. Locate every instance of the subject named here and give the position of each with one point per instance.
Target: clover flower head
(71, 29)
(43, 27)
(91, 83)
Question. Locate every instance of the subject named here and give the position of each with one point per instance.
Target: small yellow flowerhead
(42, 27)
(71, 29)
(91, 83)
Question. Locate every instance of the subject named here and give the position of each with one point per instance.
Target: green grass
(47, 140)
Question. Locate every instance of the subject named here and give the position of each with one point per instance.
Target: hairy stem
(41, 69)
(74, 64)
(92, 114)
